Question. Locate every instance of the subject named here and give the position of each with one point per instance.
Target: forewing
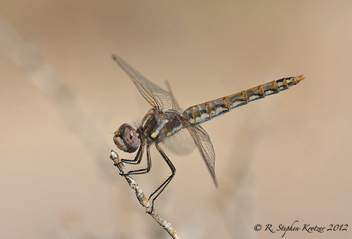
(156, 96)
(204, 145)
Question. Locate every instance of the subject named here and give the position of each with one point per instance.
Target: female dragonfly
(165, 119)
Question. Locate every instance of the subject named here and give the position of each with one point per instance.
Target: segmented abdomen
(200, 113)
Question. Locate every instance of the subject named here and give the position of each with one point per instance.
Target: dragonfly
(165, 119)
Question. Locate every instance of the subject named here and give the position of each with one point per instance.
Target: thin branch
(143, 200)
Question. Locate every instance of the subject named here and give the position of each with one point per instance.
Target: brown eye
(126, 138)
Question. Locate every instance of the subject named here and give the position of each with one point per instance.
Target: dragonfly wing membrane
(204, 145)
(180, 143)
(174, 101)
(156, 96)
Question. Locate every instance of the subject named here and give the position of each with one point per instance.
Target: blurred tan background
(284, 158)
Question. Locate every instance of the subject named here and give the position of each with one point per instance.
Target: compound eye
(126, 138)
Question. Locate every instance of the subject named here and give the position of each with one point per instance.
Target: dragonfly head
(126, 138)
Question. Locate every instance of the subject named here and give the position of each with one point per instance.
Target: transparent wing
(156, 96)
(180, 143)
(174, 102)
(204, 145)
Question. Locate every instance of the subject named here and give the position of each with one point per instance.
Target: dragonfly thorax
(158, 124)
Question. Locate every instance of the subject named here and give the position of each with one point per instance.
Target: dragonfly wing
(156, 96)
(174, 102)
(180, 143)
(204, 145)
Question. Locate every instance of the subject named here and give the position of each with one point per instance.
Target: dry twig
(143, 200)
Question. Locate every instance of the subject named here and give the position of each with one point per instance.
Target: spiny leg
(142, 170)
(138, 157)
(161, 188)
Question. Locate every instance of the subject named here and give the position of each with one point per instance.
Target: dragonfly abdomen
(203, 112)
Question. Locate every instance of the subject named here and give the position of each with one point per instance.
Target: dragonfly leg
(138, 157)
(161, 188)
(142, 170)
